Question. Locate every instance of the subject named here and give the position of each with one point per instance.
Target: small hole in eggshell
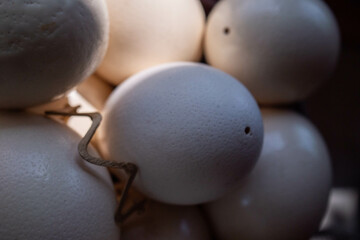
(226, 30)
(247, 130)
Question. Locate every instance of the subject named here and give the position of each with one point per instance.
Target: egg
(286, 194)
(145, 33)
(164, 222)
(95, 90)
(281, 50)
(47, 47)
(188, 127)
(47, 190)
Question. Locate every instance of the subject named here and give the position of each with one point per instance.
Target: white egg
(47, 47)
(145, 33)
(281, 50)
(164, 222)
(286, 194)
(47, 190)
(188, 127)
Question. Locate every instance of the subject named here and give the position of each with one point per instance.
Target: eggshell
(95, 90)
(47, 47)
(188, 127)
(47, 191)
(145, 33)
(286, 194)
(164, 222)
(281, 50)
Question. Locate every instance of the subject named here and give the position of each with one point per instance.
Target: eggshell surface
(188, 127)
(47, 47)
(145, 33)
(286, 194)
(164, 222)
(47, 191)
(281, 50)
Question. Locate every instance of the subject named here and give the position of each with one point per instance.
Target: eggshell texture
(281, 50)
(145, 33)
(286, 194)
(188, 127)
(47, 47)
(47, 191)
(164, 222)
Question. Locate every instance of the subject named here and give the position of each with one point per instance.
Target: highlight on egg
(145, 33)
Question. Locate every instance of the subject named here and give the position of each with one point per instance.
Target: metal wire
(130, 168)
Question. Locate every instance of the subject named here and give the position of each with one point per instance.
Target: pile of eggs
(211, 162)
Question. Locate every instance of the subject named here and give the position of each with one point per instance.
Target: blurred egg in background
(145, 33)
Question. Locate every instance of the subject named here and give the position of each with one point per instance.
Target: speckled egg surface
(47, 47)
(145, 33)
(190, 128)
(285, 196)
(164, 222)
(281, 50)
(47, 191)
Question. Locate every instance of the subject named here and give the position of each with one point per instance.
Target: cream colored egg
(188, 127)
(281, 50)
(164, 222)
(95, 90)
(47, 47)
(145, 33)
(286, 194)
(47, 190)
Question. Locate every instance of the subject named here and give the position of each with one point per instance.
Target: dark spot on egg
(247, 130)
(226, 30)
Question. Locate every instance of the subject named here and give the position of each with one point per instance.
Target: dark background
(335, 108)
